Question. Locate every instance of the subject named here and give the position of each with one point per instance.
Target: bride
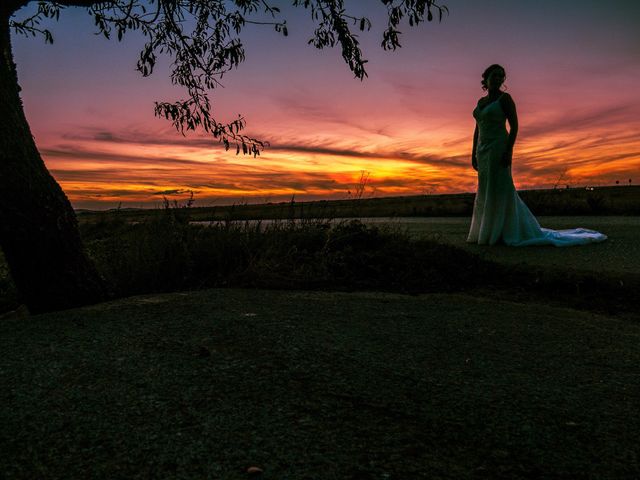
(499, 215)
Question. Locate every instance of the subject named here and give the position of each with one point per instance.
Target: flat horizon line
(362, 199)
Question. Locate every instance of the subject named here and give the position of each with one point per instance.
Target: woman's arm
(509, 108)
(474, 160)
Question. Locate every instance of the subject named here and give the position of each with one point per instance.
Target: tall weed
(166, 253)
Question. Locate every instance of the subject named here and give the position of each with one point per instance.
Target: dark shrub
(165, 253)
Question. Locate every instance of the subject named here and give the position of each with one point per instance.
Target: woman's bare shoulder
(507, 97)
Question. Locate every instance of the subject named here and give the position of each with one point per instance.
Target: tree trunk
(38, 227)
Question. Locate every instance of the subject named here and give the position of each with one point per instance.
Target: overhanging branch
(82, 3)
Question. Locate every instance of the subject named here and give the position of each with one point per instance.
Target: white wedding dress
(499, 215)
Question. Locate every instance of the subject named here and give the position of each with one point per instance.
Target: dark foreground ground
(319, 386)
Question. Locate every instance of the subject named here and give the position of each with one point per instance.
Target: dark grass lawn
(620, 254)
(319, 386)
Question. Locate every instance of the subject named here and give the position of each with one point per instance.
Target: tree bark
(10, 6)
(38, 227)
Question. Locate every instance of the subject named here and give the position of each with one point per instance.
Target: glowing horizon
(409, 124)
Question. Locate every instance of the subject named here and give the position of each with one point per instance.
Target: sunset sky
(573, 68)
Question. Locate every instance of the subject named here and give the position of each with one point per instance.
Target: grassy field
(404, 255)
(319, 386)
(620, 254)
(528, 371)
(574, 201)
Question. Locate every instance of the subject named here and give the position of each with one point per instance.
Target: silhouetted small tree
(38, 227)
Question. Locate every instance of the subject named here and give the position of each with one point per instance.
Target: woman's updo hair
(487, 72)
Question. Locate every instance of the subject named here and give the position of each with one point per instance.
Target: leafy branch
(414, 11)
(30, 26)
(203, 39)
